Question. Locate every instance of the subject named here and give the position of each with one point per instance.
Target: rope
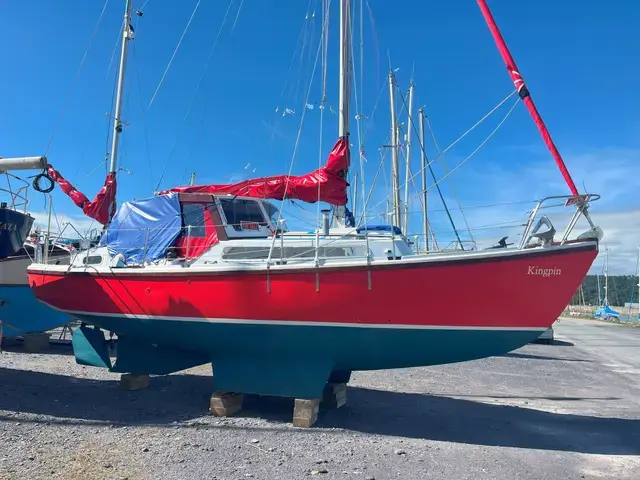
(75, 79)
(175, 51)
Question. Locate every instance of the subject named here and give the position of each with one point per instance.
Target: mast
(127, 34)
(394, 154)
(345, 67)
(407, 176)
(423, 170)
(524, 94)
(345, 88)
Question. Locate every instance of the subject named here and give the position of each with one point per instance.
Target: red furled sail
(326, 184)
(524, 94)
(101, 208)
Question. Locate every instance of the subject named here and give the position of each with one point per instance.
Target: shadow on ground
(178, 398)
(542, 357)
(56, 347)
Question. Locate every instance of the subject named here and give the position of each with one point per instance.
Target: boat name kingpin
(544, 272)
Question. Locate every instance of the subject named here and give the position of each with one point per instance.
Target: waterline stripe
(237, 321)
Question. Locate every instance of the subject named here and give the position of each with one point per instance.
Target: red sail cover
(326, 184)
(101, 208)
(518, 81)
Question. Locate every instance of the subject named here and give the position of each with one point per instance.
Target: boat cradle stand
(225, 404)
(305, 411)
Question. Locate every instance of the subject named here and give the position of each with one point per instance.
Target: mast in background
(395, 168)
(423, 171)
(407, 177)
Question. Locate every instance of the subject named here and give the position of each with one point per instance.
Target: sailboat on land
(605, 311)
(206, 274)
(20, 312)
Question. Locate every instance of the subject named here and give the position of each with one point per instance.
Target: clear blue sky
(578, 58)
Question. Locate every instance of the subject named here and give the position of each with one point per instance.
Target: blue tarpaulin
(153, 222)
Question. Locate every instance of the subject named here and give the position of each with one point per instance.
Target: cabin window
(92, 260)
(193, 215)
(272, 211)
(262, 252)
(237, 211)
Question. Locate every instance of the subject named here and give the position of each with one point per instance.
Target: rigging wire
(75, 78)
(376, 46)
(197, 90)
(476, 124)
(306, 48)
(235, 20)
(108, 117)
(324, 41)
(144, 116)
(469, 131)
(299, 42)
(195, 141)
(446, 168)
(299, 133)
(359, 103)
(439, 190)
(203, 115)
(436, 183)
(115, 49)
(175, 51)
(493, 132)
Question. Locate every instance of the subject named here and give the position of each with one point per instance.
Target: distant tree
(622, 289)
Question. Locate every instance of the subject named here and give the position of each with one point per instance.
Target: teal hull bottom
(21, 312)
(286, 360)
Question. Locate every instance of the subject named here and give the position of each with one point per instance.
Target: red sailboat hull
(407, 313)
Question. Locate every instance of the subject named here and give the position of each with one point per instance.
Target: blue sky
(577, 58)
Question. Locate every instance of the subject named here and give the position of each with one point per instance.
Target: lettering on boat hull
(544, 272)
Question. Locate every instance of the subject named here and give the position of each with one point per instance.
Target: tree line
(622, 289)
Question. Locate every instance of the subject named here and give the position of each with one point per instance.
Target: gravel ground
(543, 412)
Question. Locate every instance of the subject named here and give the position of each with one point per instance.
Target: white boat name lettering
(11, 227)
(544, 272)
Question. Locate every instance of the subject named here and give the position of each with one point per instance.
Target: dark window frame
(240, 210)
(189, 212)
